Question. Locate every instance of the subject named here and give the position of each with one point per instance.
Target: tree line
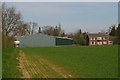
(114, 32)
(13, 25)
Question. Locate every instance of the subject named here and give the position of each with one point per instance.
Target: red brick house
(98, 39)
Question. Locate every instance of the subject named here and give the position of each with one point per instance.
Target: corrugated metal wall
(36, 40)
(61, 41)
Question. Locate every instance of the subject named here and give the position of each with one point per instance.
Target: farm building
(64, 41)
(98, 39)
(38, 40)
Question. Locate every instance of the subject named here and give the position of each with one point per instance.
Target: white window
(104, 42)
(98, 43)
(92, 38)
(92, 43)
(99, 38)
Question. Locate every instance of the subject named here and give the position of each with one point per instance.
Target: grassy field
(77, 61)
(10, 63)
(58, 62)
(0, 55)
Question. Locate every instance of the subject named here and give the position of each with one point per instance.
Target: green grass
(82, 61)
(0, 55)
(9, 63)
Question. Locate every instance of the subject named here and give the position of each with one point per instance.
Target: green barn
(63, 41)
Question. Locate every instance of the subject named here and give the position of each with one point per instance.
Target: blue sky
(88, 16)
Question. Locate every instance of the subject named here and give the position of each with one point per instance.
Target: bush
(7, 41)
(114, 39)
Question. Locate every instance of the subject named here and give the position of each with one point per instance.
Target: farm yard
(61, 62)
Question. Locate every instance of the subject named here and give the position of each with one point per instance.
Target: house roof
(98, 35)
(64, 38)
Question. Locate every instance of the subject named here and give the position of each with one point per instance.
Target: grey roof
(65, 38)
(98, 35)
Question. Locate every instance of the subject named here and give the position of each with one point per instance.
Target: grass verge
(10, 63)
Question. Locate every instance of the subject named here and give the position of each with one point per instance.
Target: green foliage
(118, 33)
(114, 39)
(10, 63)
(82, 61)
(7, 41)
(118, 30)
(85, 37)
(80, 38)
(77, 38)
(113, 31)
(0, 55)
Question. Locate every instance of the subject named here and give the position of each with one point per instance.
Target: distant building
(63, 41)
(38, 40)
(98, 39)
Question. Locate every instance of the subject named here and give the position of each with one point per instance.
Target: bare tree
(58, 31)
(32, 28)
(22, 29)
(49, 30)
(10, 19)
(54, 31)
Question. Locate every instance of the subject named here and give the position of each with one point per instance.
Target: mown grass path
(22, 61)
(10, 63)
(37, 67)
